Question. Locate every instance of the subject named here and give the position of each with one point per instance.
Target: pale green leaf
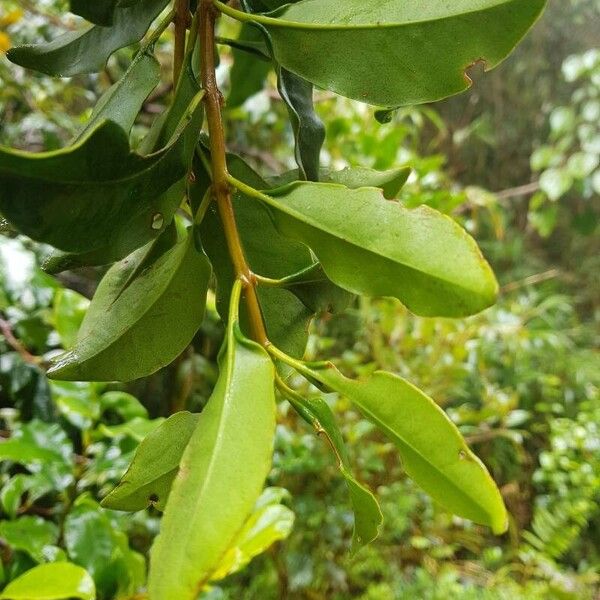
(390, 181)
(155, 463)
(221, 474)
(433, 452)
(372, 246)
(270, 522)
(54, 581)
(69, 310)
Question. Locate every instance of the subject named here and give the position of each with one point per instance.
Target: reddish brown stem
(221, 189)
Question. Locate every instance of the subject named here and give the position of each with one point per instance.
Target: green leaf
(555, 183)
(145, 312)
(100, 12)
(138, 428)
(31, 535)
(94, 543)
(315, 290)
(286, 317)
(44, 449)
(97, 194)
(367, 514)
(23, 489)
(428, 48)
(81, 413)
(433, 452)
(222, 471)
(123, 404)
(390, 181)
(87, 50)
(161, 132)
(309, 130)
(264, 5)
(248, 73)
(122, 102)
(54, 581)
(156, 461)
(24, 452)
(69, 310)
(372, 246)
(269, 523)
(166, 124)
(12, 492)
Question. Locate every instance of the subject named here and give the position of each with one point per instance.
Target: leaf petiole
(160, 29)
(295, 278)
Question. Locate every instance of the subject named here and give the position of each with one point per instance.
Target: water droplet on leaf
(157, 221)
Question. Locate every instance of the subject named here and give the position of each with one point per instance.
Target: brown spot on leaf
(477, 65)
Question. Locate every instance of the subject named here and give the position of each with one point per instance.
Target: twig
(16, 345)
(220, 186)
(522, 190)
(181, 20)
(531, 280)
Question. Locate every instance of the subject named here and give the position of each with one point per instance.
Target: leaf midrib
(281, 23)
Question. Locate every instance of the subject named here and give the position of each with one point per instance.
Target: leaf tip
(64, 367)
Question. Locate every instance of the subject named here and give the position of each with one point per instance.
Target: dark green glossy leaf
(12, 494)
(248, 73)
(100, 12)
(165, 126)
(122, 102)
(433, 452)
(145, 312)
(97, 194)
(309, 130)
(221, 474)
(372, 246)
(54, 581)
(428, 47)
(160, 133)
(87, 51)
(287, 317)
(156, 462)
(44, 449)
(367, 514)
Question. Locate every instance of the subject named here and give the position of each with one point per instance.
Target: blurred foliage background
(517, 161)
